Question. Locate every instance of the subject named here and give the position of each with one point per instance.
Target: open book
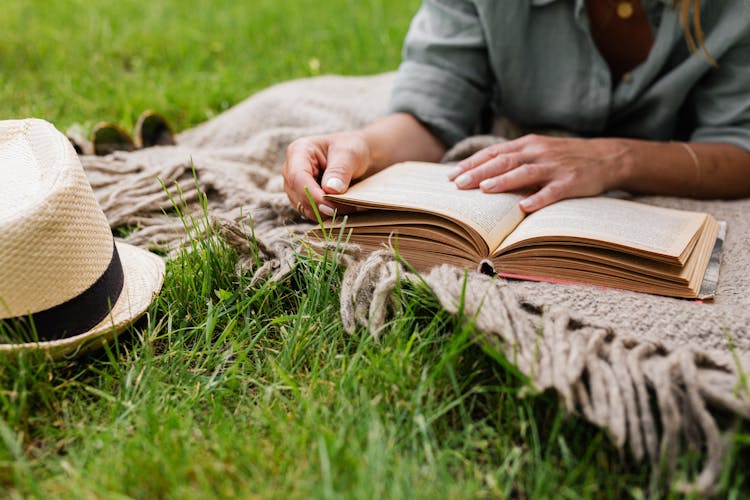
(600, 241)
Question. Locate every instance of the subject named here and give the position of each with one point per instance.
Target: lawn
(232, 389)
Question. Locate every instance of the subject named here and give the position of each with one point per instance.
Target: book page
(425, 187)
(624, 223)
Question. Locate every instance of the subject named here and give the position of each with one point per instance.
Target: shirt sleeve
(721, 100)
(445, 77)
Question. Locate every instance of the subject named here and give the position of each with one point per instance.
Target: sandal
(108, 137)
(152, 129)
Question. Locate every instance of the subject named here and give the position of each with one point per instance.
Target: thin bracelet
(697, 164)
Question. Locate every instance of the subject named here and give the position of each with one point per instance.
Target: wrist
(624, 163)
(375, 149)
(371, 152)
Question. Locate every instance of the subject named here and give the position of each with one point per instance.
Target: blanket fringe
(655, 400)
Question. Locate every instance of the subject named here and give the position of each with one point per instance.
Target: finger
(342, 162)
(490, 169)
(524, 176)
(305, 154)
(300, 171)
(300, 201)
(326, 210)
(485, 155)
(549, 194)
(331, 209)
(296, 186)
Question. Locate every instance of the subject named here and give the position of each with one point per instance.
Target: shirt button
(627, 78)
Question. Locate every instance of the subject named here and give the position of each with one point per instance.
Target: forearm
(697, 170)
(399, 137)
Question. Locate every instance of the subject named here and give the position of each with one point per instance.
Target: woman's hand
(323, 165)
(327, 164)
(555, 168)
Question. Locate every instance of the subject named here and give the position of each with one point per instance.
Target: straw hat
(63, 279)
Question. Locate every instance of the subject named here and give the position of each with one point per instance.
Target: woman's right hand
(327, 164)
(324, 164)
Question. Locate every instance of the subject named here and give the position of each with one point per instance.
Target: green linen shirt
(534, 62)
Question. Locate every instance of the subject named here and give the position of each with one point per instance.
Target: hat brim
(143, 276)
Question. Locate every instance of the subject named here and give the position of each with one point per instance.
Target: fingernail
(335, 184)
(326, 210)
(488, 184)
(525, 203)
(463, 180)
(453, 172)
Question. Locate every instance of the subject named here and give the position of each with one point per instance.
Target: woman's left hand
(555, 167)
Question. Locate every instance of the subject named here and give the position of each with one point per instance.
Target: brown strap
(621, 32)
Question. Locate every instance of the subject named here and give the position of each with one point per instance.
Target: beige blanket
(653, 371)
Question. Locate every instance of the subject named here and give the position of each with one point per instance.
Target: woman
(659, 104)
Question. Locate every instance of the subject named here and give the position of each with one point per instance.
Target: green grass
(84, 61)
(254, 390)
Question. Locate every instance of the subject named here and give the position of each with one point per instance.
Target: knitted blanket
(654, 371)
